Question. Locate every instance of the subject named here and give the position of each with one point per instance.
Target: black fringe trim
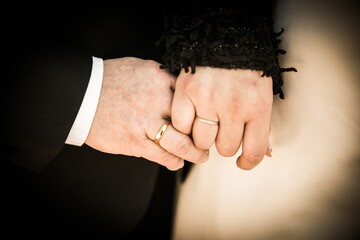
(225, 38)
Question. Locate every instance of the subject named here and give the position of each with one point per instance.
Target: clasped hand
(230, 108)
(240, 101)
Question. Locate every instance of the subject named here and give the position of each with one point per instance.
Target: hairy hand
(135, 101)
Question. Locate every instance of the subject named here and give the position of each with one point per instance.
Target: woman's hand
(228, 107)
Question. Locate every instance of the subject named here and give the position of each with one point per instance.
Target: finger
(182, 145)
(182, 112)
(229, 137)
(255, 143)
(179, 144)
(204, 133)
(156, 153)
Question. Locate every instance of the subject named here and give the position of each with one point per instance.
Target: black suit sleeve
(45, 84)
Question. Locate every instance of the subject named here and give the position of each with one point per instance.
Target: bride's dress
(310, 188)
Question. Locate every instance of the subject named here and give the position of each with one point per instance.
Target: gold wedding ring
(207, 121)
(161, 131)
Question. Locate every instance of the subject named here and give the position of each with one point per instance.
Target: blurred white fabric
(310, 188)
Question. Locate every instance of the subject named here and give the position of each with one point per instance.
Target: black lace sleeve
(225, 35)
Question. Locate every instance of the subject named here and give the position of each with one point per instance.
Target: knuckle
(190, 86)
(234, 107)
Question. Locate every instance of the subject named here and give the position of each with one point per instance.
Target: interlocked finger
(179, 144)
(204, 132)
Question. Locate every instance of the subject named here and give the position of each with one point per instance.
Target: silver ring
(207, 121)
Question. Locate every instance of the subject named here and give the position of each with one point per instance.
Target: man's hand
(135, 101)
(239, 100)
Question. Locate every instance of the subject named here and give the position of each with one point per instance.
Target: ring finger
(177, 143)
(204, 132)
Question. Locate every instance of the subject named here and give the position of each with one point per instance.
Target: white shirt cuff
(81, 127)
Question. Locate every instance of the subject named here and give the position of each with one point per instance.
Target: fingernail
(206, 157)
(181, 164)
(268, 151)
